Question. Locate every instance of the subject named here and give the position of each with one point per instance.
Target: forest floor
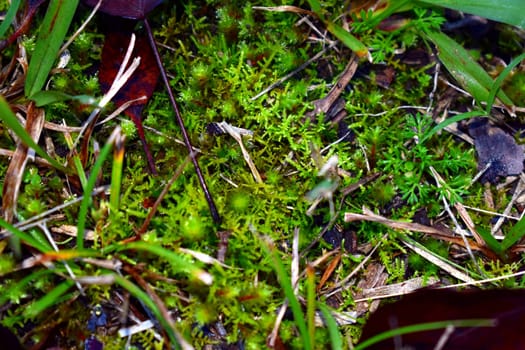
(340, 177)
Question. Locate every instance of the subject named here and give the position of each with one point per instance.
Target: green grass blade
(499, 81)
(49, 299)
(177, 260)
(90, 186)
(310, 300)
(451, 120)
(331, 325)
(286, 285)
(465, 69)
(47, 97)
(52, 33)
(339, 32)
(506, 11)
(422, 327)
(515, 234)
(491, 242)
(148, 302)
(116, 175)
(347, 39)
(9, 16)
(27, 238)
(9, 118)
(316, 7)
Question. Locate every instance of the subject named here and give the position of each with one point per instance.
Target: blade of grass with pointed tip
(9, 118)
(506, 11)
(515, 234)
(46, 97)
(138, 293)
(27, 238)
(49, 299)
(52, 33)
(175, 259)
(347, 39)
(90, 186)
(451, 120)
(116, 175)
(499, 81)
(465, 69)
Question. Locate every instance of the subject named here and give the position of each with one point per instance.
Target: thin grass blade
(90, 186)
(9, 17)
(52, 33)
(178, 261)
(9, 118)
(424, 327)
(465, 69)
(49, 299)
(331, 325)
(506, 11)
(27, 238)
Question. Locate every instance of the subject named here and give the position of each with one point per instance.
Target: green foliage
(412, 174)
(48, 43)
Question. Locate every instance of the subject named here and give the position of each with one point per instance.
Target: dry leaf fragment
(497, 148)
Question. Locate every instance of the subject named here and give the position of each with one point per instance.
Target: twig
(211, 204)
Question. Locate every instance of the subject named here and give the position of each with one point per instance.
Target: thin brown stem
(209, 199)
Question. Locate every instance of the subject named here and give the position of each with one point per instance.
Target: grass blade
(9, 16)
(146, 300)
(49, 299)
(178, 261)
(491, 242)
(9, 118)
(499, 81)
(90, 186)
(465, 69)
(286, 285)
(506, 11)
(331, 325)
(515, 234)
(52, 33)
(27, 238)
(424, 327)
(116, 174)
(449, 121)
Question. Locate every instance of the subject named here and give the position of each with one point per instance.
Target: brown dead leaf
(15, 171)
(329, 270)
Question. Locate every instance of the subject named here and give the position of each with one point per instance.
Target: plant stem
(209, 199)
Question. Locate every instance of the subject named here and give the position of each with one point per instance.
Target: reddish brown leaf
(134, 9)
(328, 272)
(504, 307)
(141, 83)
